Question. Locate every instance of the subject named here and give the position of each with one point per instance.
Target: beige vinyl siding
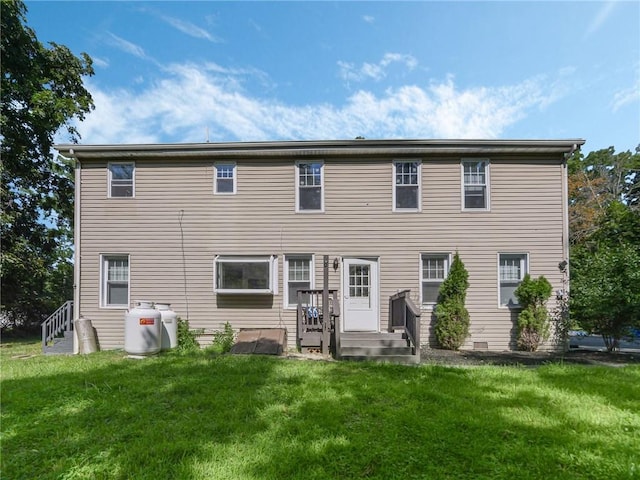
(260, 219)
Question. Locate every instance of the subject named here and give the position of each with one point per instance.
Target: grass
(227, 417)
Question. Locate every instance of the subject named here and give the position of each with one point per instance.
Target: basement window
(245, 275)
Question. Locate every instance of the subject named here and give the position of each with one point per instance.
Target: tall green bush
(605, 292)
(533, 320)
(452, 318)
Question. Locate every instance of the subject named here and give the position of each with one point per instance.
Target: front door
(360, 294)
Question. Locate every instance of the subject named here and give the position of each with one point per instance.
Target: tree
(605, 297)
(42, 91)
(533, 320)
(604, 222)
(452, 317)
(598, 180)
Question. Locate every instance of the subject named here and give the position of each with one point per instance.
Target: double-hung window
(475, 180)
(435, 268)
(406, 188)
(225, 179)
(512, 267)
(122, 179)
(114, 289)
(309, 187)
(240, 274)
(298, 276)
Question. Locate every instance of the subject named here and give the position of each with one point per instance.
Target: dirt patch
(575, 357)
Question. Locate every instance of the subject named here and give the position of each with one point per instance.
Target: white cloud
(126, 46)
(375, 71)
(100, 62)
(600, 17)
(192, 98)
(189, 28)
(369, 18)
(626, 96)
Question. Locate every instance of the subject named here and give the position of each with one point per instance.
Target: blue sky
(244, 71)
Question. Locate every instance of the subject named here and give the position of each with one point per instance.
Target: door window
(359, 280)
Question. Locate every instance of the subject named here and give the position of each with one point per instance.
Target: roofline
(317, 148)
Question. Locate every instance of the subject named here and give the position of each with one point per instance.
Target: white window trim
(285, 276)
(133, 179)
(430, 306)
(525, 270)
(272, 261)
(297, 175)
(393, 184)
(103, 281)
(487, 184)
(215, 177)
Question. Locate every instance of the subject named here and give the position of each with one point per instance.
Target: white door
(360, 295)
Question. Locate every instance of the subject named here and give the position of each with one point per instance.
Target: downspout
(76, 248)
(565, 219)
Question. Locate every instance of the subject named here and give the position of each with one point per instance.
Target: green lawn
(227, 417)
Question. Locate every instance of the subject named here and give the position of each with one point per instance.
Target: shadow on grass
(234, 417)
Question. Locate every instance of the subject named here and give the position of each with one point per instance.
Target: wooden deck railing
(313, 328)
(405, 315)
(59, 321)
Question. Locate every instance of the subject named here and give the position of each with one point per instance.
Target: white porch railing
(60, 321)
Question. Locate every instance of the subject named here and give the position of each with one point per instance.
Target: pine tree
(452, 317)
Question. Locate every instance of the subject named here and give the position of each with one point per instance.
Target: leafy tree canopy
(605, 297)
(42, 91)
(604, 217)
(595, 182)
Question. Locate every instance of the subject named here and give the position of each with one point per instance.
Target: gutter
(333, 148)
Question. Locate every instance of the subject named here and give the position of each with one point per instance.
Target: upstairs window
(309, 186)
(406, 189)
(475, 179)
(121, 179)
(235, 274)
(512, 269)
(114, 272)
(225, 179)
(435, 268)
(298, 276)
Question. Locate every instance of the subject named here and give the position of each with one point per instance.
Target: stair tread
(407, 359)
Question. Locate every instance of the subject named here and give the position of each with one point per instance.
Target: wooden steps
(60, 345)
(380, 347)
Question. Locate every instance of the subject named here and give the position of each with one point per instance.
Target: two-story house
(228, 232)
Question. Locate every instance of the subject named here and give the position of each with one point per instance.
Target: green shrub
(224, 339)
(187, 338)
(452, 325)
(452, 318)
(533, 320)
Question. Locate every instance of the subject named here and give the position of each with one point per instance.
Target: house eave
(324, 148)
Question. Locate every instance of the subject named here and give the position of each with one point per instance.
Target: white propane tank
(142, 329)
(169, 326)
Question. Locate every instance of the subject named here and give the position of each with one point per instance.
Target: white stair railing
(59, 321)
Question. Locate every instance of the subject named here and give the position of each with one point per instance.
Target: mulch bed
(479, 357)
